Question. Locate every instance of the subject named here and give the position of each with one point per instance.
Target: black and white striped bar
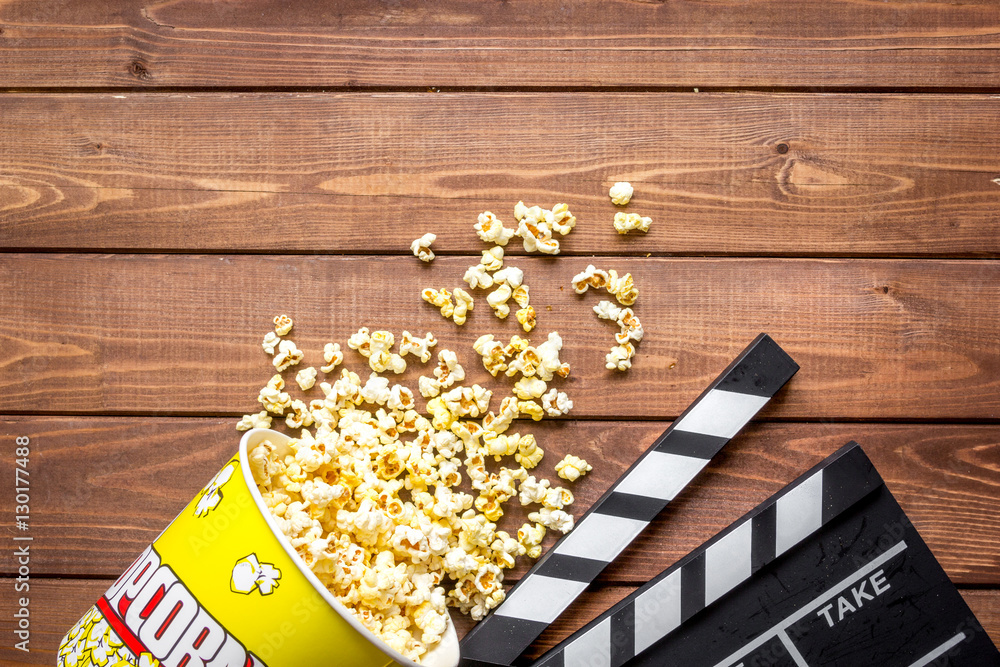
(870, 551)
(611, 524)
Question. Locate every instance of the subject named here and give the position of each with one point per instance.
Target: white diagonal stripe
(798, 513)
(721, 413)
(592, 649)
(657, 611)
(600, 537)
(540, 598)
(661, 475)
(727, 562)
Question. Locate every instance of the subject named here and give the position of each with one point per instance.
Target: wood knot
(137, 69)
(781, 148)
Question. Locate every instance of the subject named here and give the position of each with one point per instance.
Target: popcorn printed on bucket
(369, 500)
(92, 641)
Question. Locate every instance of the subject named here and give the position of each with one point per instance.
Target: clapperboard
(639, 495)
(829, 571)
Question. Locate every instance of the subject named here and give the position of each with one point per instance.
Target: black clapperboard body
(828, 572)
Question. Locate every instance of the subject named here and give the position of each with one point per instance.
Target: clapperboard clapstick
(666, 468)
(829, 571)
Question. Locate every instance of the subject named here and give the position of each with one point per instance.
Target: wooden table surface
(174, 174)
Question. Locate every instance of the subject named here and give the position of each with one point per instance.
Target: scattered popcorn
(528, 388)
(441, 299)
(288, 355)
(332, 356)
(606, 310)
(449, 371)
(478, 276)
(282, 325)
(511, 275)
(530, 536)
(621, 193)
(531, 409)
(463, 304)
(361, 341)
(620, 357)
(623, 288)
(272, 398)
(306, 378)
(553, 519)
(529, 454)
(626, 222)
(549, 363)
(590, 277)
(258, 420)
(490, 229)
(418, 347)
(271, 340)
(561, 219)
(492, 259)
(533, 491)
(471, 401)
(572, 468)
(497, 299)
(492, 352)
(527, 318)
(556, 403)
(422, 247)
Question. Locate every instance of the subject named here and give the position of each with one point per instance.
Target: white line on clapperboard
(779, 629)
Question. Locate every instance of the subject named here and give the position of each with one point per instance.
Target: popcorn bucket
(222, 587)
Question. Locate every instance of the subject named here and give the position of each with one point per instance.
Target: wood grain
(734, 174)
(103, 488)
(58, 603)
(764, 43)
(876, 339)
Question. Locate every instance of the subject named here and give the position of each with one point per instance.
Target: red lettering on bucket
(152, 611)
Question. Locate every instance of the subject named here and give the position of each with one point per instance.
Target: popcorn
(529, 454)
(557, 498)
(533, 491)
(553, 519)
(492, 259)
(361, 341)
(400, 398)
(449, 371)
(272, 398)
(490, 229)
(441, 299)
(589, 277)
(463, 304)
(306, 378)
(299, 415)
(271, 340)
(477, 276)
(497, 299)
(332, 356)
(500, 423)
(527, 318)
(621, 193)
(288, 355)
(530, 536)
(537, 239)
(620, 356)
(418, 347)
(607, 310)
(511, 275)
(549, 364)
(561, 219)
(492, 352)
(376, 390)
(556, 403)
(531, 409)
(258, 420)
(422, 247)
(631, 327)
(428, 387)
(626, 222)
(623, 288)
(571, 468)
(282, 325)
(528, 388)
(467, 401)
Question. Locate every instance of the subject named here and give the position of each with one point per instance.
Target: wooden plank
(105, 487)
(743, 174)
(56, 604)
(876, 339)
(510, 44)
